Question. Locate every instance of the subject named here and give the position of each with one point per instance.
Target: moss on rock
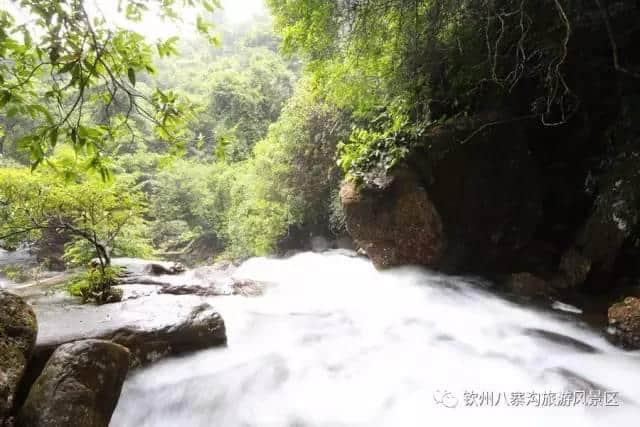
(18, 332)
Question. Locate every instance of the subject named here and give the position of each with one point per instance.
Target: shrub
(96, 286)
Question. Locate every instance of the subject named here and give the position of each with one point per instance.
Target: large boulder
(79, 386)
(466, 199)
(394, 222)
(624, 322)
(18, 331)
(151, 328)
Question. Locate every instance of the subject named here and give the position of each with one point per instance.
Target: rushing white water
(335, 343)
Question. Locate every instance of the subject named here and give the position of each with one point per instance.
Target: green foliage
(378, 148)
(216, 195)
(65, 61)
(169, 144)
(236, 96)
(65, 196)
(247, 206)
(96, 286)
(192, 195)
(288, 180)
(416, 63)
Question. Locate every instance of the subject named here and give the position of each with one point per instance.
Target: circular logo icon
(445, 398)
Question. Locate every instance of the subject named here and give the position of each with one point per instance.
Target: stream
(333, 342)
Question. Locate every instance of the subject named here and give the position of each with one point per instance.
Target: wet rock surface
(150, 327)
(18, 331)
(624, 322)
(172, 278)
(561, 340)
(79, 386)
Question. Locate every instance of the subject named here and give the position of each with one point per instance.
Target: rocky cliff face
(493, 206)
(515, 195)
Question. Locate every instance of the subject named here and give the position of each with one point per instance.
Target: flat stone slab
(150, 327)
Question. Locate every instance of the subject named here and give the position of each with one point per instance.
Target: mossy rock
(79, 386)
(18, 332)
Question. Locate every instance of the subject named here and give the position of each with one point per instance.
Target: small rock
(624, 322)
(194, 289)
(158, 269)
(79, 386)
(18, 331)
(567, 308)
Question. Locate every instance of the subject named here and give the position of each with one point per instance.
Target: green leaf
(211, 5)
(167, 48)
(44, 111)
(53, 137)
(132, 76)
(12, 111)
(54, 54)
(5, 97)
(67, 67)
(35, 164)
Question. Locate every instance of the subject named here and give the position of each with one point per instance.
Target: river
(333, 342)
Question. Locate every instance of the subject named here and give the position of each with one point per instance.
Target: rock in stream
(18, 330)
(79, 386)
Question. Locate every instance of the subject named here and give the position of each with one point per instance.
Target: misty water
(333, 342)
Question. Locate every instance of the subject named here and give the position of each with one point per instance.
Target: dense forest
(215, 146)
(493, 138)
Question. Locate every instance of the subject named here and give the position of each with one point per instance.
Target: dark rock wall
(563, 201)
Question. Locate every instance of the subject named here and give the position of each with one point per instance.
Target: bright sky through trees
(235, 12)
